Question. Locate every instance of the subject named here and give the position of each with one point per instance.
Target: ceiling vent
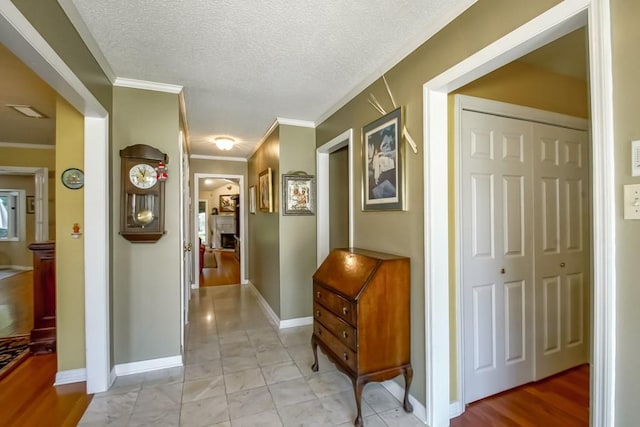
(28, 111)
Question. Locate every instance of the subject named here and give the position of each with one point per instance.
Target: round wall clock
(73, 178)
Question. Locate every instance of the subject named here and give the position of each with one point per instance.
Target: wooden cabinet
(43, 334)
(362, 317)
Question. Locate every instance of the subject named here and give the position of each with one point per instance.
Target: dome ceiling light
(224, 143)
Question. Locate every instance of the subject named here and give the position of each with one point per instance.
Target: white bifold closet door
(520, 308)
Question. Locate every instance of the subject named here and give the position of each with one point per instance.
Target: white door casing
(185, 267)
(562, 258)
(497, 247)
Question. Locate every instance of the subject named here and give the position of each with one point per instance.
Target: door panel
(563, 312)
(496, 275)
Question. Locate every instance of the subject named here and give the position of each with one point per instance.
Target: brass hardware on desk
(345, 356)
(345, 311)
(345, 335)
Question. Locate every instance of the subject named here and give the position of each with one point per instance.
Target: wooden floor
(27, 395)
(561, 400)
(16, 304)
(29, 398)
(226, 273)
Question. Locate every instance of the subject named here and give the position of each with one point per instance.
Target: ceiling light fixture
(28, 111)
(224, 143)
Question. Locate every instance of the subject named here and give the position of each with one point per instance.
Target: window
(12, 215)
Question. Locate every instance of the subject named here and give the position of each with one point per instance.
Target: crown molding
(29, 146)
(76, 20)
(295, 122)
(222, 158)
(146, 85)
(269, 131)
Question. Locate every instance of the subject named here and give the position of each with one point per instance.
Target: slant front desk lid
(348, 270)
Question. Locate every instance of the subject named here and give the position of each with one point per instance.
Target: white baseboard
(398, 392)
(70, 376)
(292, 323)
(264, 304)
(455, 409)
(147, 365)
(16, 267)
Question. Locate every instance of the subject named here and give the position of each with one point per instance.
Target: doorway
(219, 223)
(524, 251)
(557, 21)
(334, 167)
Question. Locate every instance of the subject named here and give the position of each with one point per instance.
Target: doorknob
(502, 271)
(562, 264)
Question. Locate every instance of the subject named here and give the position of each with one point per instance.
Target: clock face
(143, 176)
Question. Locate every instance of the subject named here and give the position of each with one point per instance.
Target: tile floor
(241, 371)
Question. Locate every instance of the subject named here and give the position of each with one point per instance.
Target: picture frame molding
(231, 206)
(31, 204)
(265, 191)
(391, 203)
(287, 197)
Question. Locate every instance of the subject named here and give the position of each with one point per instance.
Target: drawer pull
(344, 334)
(345, 311)
(317, 313)
(319, 331)
(345, 356)
(318, 294)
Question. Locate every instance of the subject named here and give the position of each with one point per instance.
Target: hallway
(242, 371)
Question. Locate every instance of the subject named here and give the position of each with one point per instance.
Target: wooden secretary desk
(361, 317)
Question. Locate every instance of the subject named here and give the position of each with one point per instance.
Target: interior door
(186, 269)
(497, 250)
(562, 249)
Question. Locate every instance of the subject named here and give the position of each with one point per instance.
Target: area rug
(13, 351)
(210, 260)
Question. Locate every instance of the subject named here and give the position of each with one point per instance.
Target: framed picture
(298, 194)
(265, 200)
(383, 174)
(227, 202)
(31, 204)
(252, 199)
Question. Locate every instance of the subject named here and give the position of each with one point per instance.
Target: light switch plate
(632, 201)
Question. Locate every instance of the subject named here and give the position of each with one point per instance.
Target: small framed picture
(227, 202)
(252, 199)
(31, 204)
(265, 200)
(383, 174)
(298, 194)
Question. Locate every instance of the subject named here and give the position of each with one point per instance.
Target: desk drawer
(340, 306)
(344, 353)
(337, 326)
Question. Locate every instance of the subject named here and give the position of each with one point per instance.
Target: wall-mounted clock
(142, 194)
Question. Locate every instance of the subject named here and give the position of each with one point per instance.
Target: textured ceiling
(244, 63)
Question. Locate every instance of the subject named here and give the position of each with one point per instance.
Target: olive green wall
(339, 198)
(146, 276)
(297, 233)
(69, 251)
(264, 227)
(626, 85)
(17, 254)
(401, 232)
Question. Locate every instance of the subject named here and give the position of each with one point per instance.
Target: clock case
(134, 200)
